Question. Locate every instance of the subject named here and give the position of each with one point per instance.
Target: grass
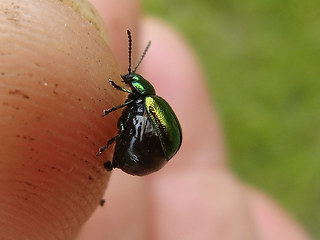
(262, 61)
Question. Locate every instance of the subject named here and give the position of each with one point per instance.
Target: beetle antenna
(144, 53)
(130, 50)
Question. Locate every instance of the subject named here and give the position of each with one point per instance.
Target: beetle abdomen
(138, 151)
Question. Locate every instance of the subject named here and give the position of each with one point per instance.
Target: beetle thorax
(139, 84)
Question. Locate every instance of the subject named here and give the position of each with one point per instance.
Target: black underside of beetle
(138, 150)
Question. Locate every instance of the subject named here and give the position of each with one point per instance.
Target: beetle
(149, 132)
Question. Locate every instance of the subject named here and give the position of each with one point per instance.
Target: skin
(53, 90)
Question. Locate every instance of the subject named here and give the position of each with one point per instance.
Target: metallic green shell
(166, 123)
(141, 85)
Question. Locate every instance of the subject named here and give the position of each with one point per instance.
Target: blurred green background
(262, 62)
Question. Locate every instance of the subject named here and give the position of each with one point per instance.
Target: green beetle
(149, 131)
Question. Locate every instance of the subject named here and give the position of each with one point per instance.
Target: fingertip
(54, 63)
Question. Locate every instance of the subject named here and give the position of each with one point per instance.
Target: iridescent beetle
(149, 131)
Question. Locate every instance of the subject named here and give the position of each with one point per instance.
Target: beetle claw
(108, 165)
(106, 112)
(101, 150)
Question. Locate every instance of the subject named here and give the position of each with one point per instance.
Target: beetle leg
(113, 84)
(108, 165)
(107, 111)
(112, 140)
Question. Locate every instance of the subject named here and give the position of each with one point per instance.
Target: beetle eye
(124, 78)
(128, 78)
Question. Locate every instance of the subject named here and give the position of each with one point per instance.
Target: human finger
(54, 66)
